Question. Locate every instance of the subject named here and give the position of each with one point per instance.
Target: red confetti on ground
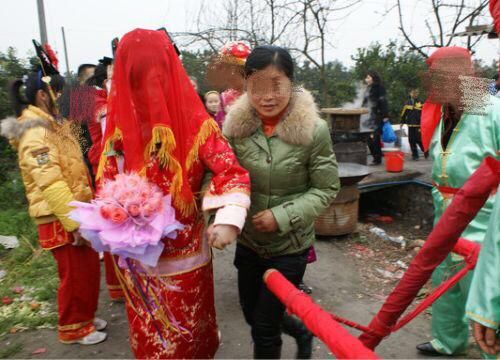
(39, 351)
(385, 219)
(7, 300)
(17, 290)
(361, 248)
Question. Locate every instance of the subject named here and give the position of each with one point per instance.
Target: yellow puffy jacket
(51, 164)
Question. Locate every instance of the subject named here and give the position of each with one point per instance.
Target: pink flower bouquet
(129, 217)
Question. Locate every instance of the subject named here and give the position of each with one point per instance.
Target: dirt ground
(351, 278)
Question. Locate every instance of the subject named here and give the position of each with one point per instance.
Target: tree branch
(405, 34)
(455, 25)
(435, 5)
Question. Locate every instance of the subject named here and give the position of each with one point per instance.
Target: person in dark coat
(375, 100)
(410, 115)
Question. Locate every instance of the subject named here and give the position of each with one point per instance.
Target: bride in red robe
(158, 127)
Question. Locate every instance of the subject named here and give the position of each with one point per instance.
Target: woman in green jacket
(279, 138)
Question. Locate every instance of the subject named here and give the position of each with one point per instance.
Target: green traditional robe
(475, 137)
(483, 305)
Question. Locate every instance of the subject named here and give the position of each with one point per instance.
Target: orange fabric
(78, 293)
(270, 123)
(76, 334)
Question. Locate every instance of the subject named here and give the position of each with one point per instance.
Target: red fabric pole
(470, 251)
(463, 208)
(342, 344)
(350, 323)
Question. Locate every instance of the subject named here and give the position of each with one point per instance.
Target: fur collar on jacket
(296, 127)
(13, 128)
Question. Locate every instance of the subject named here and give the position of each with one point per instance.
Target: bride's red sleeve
(230, 183)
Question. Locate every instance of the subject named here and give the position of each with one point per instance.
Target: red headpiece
(52, 55)
(155, 111)
(449, 52)
(235, 52)
(431, 112)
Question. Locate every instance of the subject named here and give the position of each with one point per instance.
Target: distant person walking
(375, 100)
(410, 116)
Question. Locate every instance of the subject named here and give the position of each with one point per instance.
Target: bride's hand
(219, 236)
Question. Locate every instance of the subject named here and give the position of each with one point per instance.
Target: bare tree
(302, 26)
(446, 18)
(256, 22)
(315, 16)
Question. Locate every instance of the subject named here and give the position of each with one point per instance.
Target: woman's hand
(486, 338)
(78, 239)
(265, 222)
(220, 236)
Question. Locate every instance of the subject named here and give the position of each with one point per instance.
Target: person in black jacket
(410, 115)
(375, 100)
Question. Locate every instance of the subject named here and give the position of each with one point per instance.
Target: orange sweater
(270, 123)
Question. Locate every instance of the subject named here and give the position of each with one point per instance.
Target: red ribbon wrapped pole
(342, 344)
(470, 251)
(463, 208)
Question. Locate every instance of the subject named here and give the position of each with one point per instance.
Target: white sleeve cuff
(231, 215)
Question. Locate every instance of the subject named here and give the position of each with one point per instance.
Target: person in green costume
(483, 304)
(466, 131)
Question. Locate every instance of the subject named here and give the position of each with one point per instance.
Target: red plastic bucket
(394, 161)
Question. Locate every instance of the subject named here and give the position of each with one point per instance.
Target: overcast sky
(91, 24)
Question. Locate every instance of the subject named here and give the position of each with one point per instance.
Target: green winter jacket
(293, 173)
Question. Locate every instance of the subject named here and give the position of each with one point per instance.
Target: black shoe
(426, 154)
(304, 288)
(376, 162)
(304, 346)
(415, 158)
(267, 352)
(427, 349)
(303, 337)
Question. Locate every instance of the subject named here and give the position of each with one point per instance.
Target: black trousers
(415, 139)
(375, 146)
(262, 310)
